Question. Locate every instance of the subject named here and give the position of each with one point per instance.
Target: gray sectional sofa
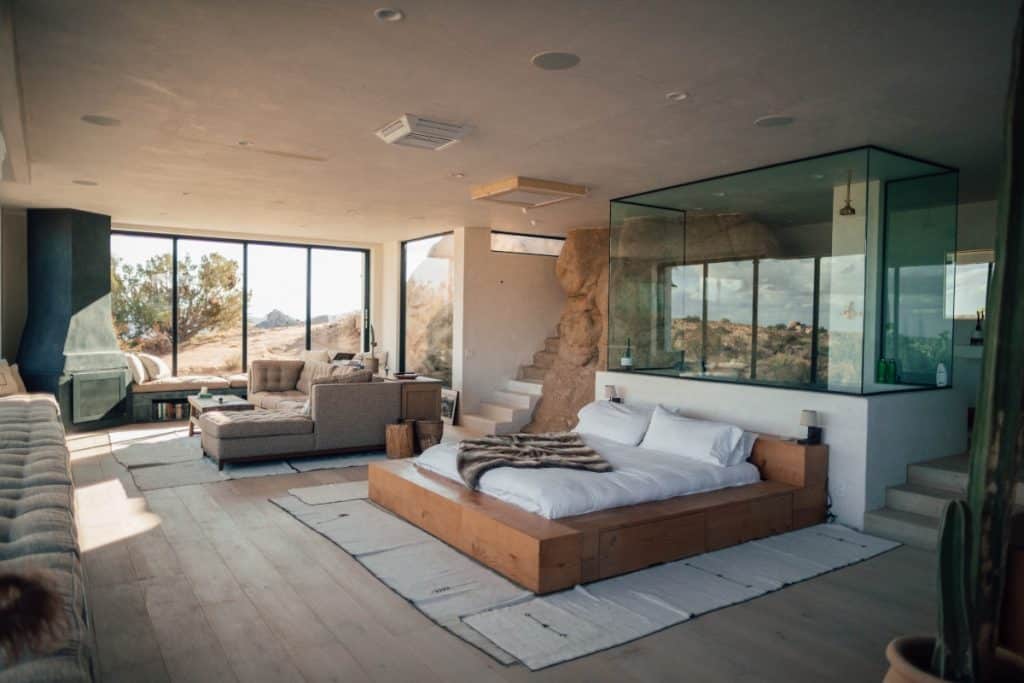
(301, 411)
(37, 532)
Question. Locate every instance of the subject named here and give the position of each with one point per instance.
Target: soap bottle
(941, 378)
(627, 358)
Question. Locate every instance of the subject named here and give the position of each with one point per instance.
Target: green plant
(975, 534)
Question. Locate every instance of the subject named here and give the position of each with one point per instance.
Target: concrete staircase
(912, 510)
(508, 409)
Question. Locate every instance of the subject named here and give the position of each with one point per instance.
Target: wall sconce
(611, 394)
(809, 419)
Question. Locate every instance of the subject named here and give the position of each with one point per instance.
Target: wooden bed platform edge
(547, 555)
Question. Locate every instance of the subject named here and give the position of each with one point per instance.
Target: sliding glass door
(428, 275)
(210, 306)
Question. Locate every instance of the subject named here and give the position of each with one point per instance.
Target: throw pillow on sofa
(356, 377)
(313, 369)
(10, 380)
(155, 367)
(137, 368)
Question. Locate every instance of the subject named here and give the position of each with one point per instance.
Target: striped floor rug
(513, 625)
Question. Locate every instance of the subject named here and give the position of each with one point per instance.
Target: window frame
(524, 234)
(174, 237)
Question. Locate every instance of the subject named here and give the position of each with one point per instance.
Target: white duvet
(639, 475)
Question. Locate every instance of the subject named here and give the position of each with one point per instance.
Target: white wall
(386, 289)
(509, 304)
(906, 428)
(870, 438)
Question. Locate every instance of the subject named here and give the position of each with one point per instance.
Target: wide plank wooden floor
(213, 583)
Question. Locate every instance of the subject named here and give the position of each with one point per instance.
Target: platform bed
(546, 555)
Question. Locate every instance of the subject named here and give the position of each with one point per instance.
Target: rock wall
(582, 270)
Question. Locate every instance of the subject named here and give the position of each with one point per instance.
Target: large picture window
(210, 306)
(277, 301)
(427, 280)
(337, 297)
(142, 297)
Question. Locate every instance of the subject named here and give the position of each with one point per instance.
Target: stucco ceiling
(306, 82)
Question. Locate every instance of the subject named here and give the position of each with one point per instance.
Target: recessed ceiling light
(389, 14)
(100, 120)
(244, 143)
(555, 61)
(718, 194)
(773, 121)
(458, 174)
(87, 183)
(818, 176)
(676, 96)
(533, 222)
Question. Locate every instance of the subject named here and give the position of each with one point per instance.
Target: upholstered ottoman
(255, 435)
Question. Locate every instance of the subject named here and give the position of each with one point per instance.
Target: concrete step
(514, 399)
(525, 386)
(544, 359)
(948, 474)
(918, 499)
(915, 530)
(503, 413)
(552, 344)
(532, 372)
(485, 425)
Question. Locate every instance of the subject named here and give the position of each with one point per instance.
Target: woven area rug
(513, 625)
(162, 457)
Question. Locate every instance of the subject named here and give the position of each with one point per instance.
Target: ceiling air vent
(416, 131)
(528, 192)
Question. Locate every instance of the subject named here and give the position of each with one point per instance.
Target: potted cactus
(974, 535)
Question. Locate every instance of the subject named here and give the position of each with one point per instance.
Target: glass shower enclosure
(830, 273)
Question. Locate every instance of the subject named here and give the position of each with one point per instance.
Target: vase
(910, 659)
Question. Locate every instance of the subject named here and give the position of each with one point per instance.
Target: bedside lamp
(809, 419)
(611, 394)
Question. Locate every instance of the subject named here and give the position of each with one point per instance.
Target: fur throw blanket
(564, 449)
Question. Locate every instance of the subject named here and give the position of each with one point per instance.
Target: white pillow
(715, 443)
(743, 449)
(155, 367)
(318, 355)
(138, 369)
(614, 421)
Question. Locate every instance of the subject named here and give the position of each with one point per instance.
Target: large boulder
(582, 270)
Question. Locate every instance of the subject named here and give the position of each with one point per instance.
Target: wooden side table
(197, 406)
(398, 440)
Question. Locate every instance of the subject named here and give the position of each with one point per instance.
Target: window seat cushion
(181, 383)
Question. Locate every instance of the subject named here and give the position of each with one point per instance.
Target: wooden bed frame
(546, 555)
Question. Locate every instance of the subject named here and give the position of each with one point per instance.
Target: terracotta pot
(910, 661)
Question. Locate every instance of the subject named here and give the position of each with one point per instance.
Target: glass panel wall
(920, 248)
(428, 272)
(337, 295)
(235, 300)
(277, 301)
(788, 275)
(209, 307)
(142, 294)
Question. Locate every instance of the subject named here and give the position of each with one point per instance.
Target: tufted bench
(254, 434)
(37, 531)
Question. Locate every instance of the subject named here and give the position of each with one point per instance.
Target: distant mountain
(277, 318)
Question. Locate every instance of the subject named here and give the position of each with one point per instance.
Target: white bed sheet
(639, 475)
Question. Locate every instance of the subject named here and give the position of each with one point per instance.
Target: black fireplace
(68, 347)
